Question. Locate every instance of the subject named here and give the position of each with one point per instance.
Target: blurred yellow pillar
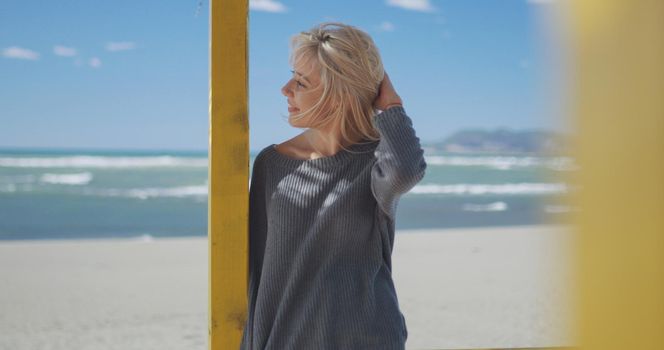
(228, 174)
(618, 106)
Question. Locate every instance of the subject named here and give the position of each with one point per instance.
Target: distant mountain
(502, 141)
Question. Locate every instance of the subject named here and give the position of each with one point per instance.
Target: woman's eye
(297, 81)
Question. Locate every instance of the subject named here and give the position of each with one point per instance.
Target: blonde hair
(351, 71)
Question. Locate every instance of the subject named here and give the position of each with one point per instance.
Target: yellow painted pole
(618, 107)
(228, 173)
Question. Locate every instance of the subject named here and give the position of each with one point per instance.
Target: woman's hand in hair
(387, 96)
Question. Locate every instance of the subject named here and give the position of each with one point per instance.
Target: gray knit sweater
(321, 233)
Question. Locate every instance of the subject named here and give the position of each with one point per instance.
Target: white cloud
(95, 62)
(267, 6)
(120, 46)
(540, 2)
(416, 5)
(386, 26)
(20, 53)
(64, 51)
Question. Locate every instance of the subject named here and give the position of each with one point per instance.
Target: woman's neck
(325, 143)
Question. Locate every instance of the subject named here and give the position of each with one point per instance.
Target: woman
(323, 204)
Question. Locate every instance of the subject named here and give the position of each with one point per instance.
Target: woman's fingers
(387, 96)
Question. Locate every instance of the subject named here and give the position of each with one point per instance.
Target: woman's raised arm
(400, 163)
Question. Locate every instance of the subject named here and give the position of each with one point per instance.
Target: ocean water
(60, 194)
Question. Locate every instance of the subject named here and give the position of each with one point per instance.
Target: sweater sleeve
(400, 163)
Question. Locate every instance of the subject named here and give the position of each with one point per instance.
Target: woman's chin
(296, 123)
(291, 121)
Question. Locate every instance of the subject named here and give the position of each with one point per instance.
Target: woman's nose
(285, 90)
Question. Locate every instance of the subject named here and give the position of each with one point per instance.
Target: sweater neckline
(340, 157)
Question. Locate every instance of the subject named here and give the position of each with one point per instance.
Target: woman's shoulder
(263, 153)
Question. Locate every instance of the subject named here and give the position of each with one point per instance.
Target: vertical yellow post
(228, 173)
(618, 59)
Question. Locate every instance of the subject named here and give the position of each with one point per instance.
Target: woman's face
(304, 88)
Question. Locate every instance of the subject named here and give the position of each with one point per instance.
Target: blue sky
(134, 74)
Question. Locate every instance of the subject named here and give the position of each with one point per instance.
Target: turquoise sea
(66, 194)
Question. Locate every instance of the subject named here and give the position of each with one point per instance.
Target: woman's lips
(292, 109)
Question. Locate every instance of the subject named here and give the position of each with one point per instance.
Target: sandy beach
(458, 288)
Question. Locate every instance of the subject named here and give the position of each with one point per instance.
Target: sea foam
(483, 189)
(67, 179)
(101, 162)
(504, 162)
(150, 192)
(495, 206)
